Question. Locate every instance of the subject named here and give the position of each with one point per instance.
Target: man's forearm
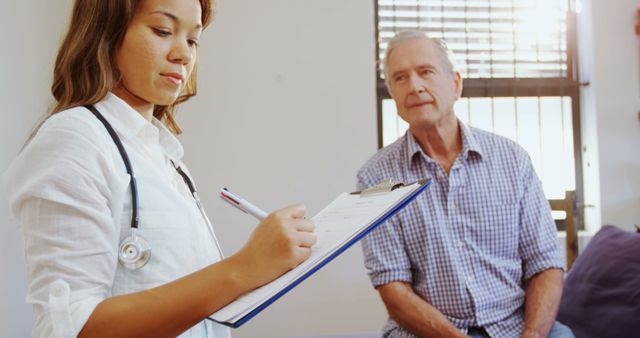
(415, 314)
(542, 301)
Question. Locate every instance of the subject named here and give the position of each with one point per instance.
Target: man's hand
(414, 313)
(542, 301)
(528, 333)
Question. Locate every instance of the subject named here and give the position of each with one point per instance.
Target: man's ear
(457, 78)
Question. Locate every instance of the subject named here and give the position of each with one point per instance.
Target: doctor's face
(158, 51)
(422, 85)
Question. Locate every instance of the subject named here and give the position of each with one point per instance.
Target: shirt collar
(129, 124)
(469, 144)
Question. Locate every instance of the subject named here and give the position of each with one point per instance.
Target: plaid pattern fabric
(471, 240)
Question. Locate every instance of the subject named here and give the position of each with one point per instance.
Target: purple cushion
(602, 292)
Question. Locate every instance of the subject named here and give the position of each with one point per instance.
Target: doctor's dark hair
(85, 68)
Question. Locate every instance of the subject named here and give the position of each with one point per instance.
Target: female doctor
(109, 255)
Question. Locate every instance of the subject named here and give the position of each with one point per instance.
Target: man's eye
(193, 42)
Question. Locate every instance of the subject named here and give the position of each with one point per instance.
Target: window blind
(491, 39)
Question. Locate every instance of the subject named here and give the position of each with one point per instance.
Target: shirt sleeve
(538, 243)
(384, 255)
(63, 188)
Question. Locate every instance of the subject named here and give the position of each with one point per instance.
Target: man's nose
(416, 84)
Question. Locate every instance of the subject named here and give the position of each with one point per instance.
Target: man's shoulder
(489, 138)
(385, 162)
(496, 146)
(390, 154)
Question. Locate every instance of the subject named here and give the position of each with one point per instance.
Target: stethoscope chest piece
(134, 252)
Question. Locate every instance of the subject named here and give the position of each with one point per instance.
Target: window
(518, 61)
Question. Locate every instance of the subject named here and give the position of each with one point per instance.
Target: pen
(242, 204)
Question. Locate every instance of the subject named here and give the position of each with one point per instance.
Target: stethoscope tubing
(194, 193)
(134, 187)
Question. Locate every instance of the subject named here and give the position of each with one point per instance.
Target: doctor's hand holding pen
(282, 240)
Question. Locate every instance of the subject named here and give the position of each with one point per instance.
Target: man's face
(423, 87)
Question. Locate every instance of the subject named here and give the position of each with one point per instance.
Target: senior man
(476, 254)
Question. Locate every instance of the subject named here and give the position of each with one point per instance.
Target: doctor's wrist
(241, 273)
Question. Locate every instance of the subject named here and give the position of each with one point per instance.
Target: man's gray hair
(448, 59)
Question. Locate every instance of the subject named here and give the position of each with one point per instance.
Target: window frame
(517, 87)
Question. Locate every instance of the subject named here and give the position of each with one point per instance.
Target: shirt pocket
(168, 235)
(498, 229)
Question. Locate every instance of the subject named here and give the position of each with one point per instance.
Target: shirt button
(57, 291)
(469, 280)
(460, 244)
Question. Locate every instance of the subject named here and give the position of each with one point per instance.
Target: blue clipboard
(383, 187)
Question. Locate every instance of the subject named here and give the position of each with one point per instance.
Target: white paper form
(338, 223)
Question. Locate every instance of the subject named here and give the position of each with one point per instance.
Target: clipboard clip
(385, 186)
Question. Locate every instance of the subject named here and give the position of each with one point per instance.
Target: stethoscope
(134, 251)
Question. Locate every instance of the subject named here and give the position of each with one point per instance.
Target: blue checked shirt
(470, 242)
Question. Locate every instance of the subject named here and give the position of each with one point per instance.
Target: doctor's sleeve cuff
(67, 317)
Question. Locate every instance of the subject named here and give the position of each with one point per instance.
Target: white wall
(286, 113)
(611, 125)
(589, 126)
